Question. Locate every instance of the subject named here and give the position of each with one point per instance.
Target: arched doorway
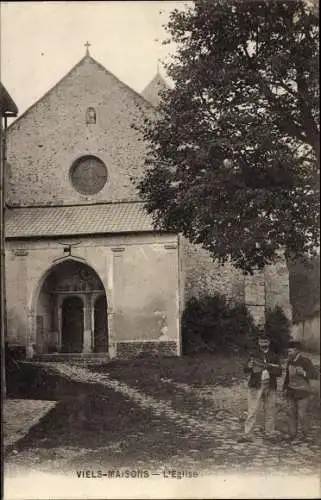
(100, 324)
(69, 318)
(72, 325)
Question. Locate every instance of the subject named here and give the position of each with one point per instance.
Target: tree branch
(288, 124)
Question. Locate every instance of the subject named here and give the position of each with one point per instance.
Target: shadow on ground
(108, 429)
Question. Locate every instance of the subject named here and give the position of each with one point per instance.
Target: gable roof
(152, 90)
(87, 58)
(106, 218)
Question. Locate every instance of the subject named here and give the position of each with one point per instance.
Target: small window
(90, 116)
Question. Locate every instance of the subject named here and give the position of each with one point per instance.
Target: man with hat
(297, 389)
(263, 368)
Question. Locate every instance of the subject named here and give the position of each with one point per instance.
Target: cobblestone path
(222, 426)
(196, 428)
(21, 415)
(159, 408)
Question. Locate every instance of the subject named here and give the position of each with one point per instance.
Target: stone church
(86, 273)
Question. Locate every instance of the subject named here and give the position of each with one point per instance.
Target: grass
(193, 370)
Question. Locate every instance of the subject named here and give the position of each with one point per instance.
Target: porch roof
(46, 221)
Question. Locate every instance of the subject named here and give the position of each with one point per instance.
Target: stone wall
(125, 350)
(203, 276)
(261, 291)
(45, 141)
(277, 286)
(255, 298)
(308, 333)
(304, 276)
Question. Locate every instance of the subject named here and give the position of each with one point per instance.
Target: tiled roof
(31, 222)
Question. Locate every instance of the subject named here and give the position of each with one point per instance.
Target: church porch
(71, 313)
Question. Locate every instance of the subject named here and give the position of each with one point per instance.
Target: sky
(42, 41)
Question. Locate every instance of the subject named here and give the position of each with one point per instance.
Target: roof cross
(87, 45)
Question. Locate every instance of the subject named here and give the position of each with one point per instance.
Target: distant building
(152, 92)
(305, 300)
(87, 274)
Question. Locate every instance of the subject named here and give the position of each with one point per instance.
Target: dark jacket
(271, 362)
(310, 373)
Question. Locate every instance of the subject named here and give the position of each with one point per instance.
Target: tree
(278, 328)
(233, 155)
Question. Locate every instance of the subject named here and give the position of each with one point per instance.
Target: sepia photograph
(160, 249)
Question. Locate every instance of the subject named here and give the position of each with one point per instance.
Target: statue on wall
(90, 116)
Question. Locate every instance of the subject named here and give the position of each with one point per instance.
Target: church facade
(86, 273)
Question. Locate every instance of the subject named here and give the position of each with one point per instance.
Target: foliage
(211, 324)
(277, 328)
(304, 287)
(233, 158)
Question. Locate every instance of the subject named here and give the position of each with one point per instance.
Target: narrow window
(90, 116)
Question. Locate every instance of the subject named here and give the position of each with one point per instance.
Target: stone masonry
(55, 134)
(203, 276)
(260, 291)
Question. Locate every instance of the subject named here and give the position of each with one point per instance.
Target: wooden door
(72, 325)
